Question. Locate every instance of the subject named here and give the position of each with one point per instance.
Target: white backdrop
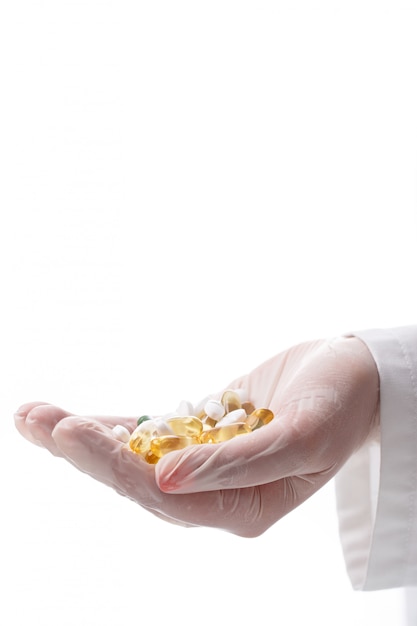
(186, 189)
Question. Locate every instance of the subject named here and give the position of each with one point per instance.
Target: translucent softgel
(219, 421)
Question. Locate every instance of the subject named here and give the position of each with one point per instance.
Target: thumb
(260, 457)
(295, 443)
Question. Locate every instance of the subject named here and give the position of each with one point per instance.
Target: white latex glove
(325, 398)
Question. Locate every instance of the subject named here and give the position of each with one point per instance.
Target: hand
(325, 398)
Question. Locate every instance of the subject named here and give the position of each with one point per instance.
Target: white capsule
(238, 415)
(121, 433)
(161, 427)
(199, 407)
(155, 427)
(214, 409)
(185, 407)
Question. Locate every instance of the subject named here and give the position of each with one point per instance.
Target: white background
(186, 189)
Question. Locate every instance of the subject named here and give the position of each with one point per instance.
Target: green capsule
(143, 418)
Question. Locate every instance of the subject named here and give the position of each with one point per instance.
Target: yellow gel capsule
(140, 440)
(264, 416)
(253, 421)
(151, 458)
(224, 433)
(209, 422)
(141, 437)
(169, 443)
(249, 407)
(185, 426)
(231, 401)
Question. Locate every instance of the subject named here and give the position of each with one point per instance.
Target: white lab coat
(377, 488)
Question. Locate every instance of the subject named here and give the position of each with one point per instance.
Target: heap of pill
(210, 421)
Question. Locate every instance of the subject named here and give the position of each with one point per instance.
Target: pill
(214, 409)
(185, 426)
(169, 443)
(162, 426)
(140, 441)
(185, 407)
(231, 401)
(264, 415)
(199, 407)
(143, 418)
(151, 458)
(141, 437)
(209, 421)
(249, 407)
(238, 415)
(121, 433)
(219, 434)
(253, 421)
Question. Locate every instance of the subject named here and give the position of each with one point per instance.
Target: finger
(36, 421)
(90, 446)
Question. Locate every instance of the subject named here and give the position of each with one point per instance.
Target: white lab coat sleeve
(376, 490)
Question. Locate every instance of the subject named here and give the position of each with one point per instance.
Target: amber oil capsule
(151, 458)
(140, 441)
(185, 426)
(253, 421)
(169, 443)
(231, 401)
(141, 437)
(249, 407)
(224, 433)
(209, 422)
(264, 416)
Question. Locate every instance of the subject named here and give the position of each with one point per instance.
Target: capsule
(253, 421)
(231, 401)
(121, 433)
(186, 426)
(208, 422)
(224, 433)
(143, 418)
(151, 458)
(199, 407)
(214, 409)
(249, 407)
(140, 441)
(141, 437)
(185, 407)
(264, 416)
(169, 443)
(238, 415)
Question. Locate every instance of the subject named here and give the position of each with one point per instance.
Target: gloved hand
(325, 398)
